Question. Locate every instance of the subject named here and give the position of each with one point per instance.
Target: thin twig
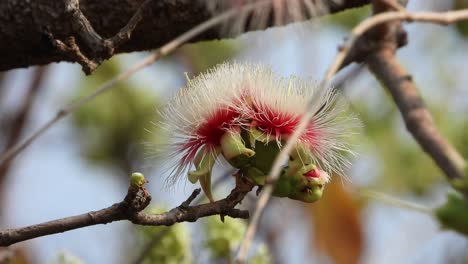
(19, 122)
(126, 32)
(137, 199)
(163, 51)
(148, 247)
(379, 196)
(443, 18)
(69, 48)
(130, 209)
(430, 17)
(354, 72)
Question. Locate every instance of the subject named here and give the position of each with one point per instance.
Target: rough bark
(131, 209)
(43, 31)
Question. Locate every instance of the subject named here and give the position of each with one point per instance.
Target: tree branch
(99, 29)
(130, 209)
(169, 47)
(418, 119)
(18, 122)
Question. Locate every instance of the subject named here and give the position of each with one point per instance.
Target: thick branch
(130, 208)
(383, 63)
(43, 31)
(417, 118)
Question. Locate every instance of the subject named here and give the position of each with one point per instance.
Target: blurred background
(83, 163)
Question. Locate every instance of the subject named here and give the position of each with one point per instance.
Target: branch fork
(95, 49)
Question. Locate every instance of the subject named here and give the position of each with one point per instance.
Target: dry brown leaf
(336, 224)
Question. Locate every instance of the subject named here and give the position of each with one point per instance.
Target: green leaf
(454, 213)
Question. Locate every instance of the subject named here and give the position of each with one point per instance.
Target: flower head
(200, 114)
(277, 106)
(245, 113)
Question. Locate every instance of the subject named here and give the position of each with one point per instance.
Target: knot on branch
(137, 199)
(85, 46)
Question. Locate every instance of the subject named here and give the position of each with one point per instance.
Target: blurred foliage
(349, 18)
(113, 126)
(404, 166)
(67, 258)
(173, 243)
(204, 55)
(337, 228)
(262, 256)
(462, 27)
(454, 213)
(223, 238)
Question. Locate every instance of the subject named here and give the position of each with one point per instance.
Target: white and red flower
(233, 98)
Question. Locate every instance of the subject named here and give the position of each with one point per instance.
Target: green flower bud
(232, 146)
(137, 179)
(305, 184)
(234, 149)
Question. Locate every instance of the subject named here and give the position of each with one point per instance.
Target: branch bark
(130, 209)
(88, 32)
(385, 66)
(417, 118)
